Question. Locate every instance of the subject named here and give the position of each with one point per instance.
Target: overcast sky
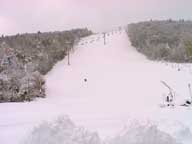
(19, 16)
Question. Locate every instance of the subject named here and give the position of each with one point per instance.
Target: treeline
(167, 40)
(25, 58)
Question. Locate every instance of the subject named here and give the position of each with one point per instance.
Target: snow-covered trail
(121, 85)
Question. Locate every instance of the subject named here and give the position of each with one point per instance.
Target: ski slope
(122, 86)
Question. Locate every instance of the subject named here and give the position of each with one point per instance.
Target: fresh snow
(122, 86)
(61, 131)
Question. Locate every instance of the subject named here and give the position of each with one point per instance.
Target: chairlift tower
(69, 45)
(104, 37)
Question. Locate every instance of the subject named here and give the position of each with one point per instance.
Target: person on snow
(85, 80)
(189, 101)
(169, 99)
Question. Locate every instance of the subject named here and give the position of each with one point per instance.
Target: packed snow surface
(103, 89)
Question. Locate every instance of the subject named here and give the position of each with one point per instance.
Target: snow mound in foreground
(64, 131)
(139, 133)
(177, 129)
(61, 131)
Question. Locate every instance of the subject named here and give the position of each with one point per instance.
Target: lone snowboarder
(170, 96)
(85, 80)
(169, 100)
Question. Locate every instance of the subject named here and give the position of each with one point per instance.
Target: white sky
(18, 16)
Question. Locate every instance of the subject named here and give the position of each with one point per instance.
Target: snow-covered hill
(121, 86)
